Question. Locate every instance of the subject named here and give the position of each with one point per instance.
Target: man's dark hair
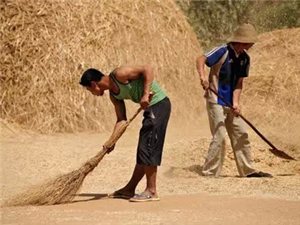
(90, 75)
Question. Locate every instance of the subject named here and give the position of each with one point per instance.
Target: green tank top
(134, 90)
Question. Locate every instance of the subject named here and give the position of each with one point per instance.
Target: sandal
(144, 197)
(119, 195)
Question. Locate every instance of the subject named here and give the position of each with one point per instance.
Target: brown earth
(186, 196)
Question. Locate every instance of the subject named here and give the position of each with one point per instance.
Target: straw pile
(271, 97)
(46, 45)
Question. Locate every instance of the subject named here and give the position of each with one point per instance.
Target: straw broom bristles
(63, 188)
(60, 190)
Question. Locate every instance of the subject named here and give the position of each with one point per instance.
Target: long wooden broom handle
(139, 109)
(134, 115)
(247, 121)
(116, 135)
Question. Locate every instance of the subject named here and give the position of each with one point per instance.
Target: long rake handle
(252, 126)
(247, 121)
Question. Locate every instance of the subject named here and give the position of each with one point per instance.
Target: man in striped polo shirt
(229, 65)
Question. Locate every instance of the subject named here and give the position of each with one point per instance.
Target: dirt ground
(186, 197)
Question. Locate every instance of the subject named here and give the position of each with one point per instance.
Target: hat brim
(242, 40)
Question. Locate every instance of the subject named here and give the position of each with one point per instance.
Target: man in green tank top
(135, 83)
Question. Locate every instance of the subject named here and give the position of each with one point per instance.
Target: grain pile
(271, 97)
(46, 45)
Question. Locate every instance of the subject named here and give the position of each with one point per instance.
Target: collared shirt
(234, 67)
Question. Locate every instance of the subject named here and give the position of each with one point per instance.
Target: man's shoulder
(120, 73)
(126, 70)
(217, 50)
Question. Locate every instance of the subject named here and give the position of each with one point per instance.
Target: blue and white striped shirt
(233, 68)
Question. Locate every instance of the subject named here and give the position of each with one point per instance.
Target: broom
(63, 188)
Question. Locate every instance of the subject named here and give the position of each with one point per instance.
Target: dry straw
(271, 94)
(46, 45)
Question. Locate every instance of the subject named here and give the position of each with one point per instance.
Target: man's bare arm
(120, 110)
(200, 65)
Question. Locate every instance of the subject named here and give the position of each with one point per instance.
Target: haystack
(46, 45)
(271, 97)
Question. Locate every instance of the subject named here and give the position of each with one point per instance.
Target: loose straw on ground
(64, 188)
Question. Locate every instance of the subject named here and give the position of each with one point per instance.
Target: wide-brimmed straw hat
(245, 33)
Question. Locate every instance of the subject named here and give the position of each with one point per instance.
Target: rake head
(281, 154)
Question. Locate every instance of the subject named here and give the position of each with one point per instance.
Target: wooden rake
(273, 149)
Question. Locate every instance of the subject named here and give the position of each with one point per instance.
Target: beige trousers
(221, 119)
